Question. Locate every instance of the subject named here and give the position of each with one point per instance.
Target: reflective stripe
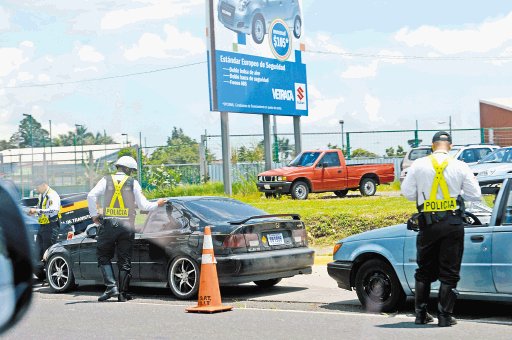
(434, 204)
(207, 242)
(208, 259)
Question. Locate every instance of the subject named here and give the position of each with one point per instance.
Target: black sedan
(249, 245)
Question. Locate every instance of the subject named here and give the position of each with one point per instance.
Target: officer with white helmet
(122, 194)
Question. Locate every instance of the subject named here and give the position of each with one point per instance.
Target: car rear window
(418, 153)
(222, 210)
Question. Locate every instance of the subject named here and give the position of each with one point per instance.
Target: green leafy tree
(4, 145)
(390, 152)
(285, 149)
(362, 153)
(400, 151)
(30, 134)
(127, 152)
(180, 149)
(332, 146)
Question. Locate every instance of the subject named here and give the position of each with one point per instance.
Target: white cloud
(10, 60)
(372, 107)
(4, 20)
(85, 69)
(43, 77)
(24, 76)
(154, 10)
(505, 57)
(361, 71)
(176, 44)
(477, 38)
(321, 110)
(88, 53)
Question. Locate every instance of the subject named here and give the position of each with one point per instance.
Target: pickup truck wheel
(300, 190)
(368, 187)
(378, 287)
(341, 193)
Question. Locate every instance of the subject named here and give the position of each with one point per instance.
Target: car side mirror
(324, 165)
(15, 261)
(92, 231)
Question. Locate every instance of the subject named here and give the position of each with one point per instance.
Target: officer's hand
(161, 202)
(96, 219)
(32, 211)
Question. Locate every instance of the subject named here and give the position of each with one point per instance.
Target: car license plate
(266, 186)
(275, 239)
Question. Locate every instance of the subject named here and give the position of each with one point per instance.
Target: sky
(376, 64)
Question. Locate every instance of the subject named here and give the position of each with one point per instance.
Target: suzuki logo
(300, 93)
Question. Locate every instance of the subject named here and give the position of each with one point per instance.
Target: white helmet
(127, 162)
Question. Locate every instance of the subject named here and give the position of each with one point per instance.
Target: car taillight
(300, 236)
(252, 240)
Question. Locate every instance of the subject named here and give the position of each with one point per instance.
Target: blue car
(380, 264)
(255, 16)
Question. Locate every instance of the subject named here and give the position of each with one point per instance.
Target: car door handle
(339, 171)
(477, 238)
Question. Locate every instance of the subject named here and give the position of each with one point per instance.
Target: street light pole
(31, 144)
(81, 140)
(126, 135)
(342, 122)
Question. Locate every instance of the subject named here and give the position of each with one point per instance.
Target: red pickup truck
(322, 171)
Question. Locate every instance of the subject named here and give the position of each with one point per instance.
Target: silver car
(497, 163)
(255, 16)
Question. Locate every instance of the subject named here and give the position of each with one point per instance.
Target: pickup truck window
(330, 159)
(305, 159)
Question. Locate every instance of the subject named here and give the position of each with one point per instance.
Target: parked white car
(498, 163)
(471, 154)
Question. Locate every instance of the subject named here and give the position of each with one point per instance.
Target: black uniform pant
(115, 236)
(439, 251)
(46, 236)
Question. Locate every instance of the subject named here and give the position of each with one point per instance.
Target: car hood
(286, 171)
(394, 231)
(499, 168)
(484, 166)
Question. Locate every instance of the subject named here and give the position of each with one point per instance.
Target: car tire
(183, 277)
(378, 287)
(300, 190)
(368, 187)
(297, 27)
(59, 274)
(258, 29)
(341, 193)
(267, 283)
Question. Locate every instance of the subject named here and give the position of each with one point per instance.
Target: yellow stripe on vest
(111, 210)
(447, 203)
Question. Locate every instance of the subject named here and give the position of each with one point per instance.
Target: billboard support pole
(297, 135)
(266, 142)
(226, 153)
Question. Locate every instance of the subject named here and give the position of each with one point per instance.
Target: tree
(4, 145)
(30, 134)
(390, 152)
(284, 147)
(362, 153)
(332, 146)
(400, 151)
(180, 149)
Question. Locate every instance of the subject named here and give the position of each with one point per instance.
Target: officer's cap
(442, 136)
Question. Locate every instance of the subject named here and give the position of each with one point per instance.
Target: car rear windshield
(305, 159)
(222, 210)
(418, 153)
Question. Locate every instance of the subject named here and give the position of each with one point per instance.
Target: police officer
(121, 194)
(439, 185)
(48, 207)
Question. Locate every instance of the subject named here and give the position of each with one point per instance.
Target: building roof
(59, 154)
(502, 103)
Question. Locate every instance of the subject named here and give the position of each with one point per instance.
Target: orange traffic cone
(208, 300)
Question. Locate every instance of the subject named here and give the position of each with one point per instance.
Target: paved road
(303, 307)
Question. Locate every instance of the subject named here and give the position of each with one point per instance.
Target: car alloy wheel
(258, 29)
(184, 277)
(59, 274)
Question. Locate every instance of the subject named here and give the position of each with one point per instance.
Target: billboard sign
(255, 57)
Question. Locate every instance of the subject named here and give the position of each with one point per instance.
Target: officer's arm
(470, 187)
(409, 187)
(141, 200)
(54, 206)
(93, 195)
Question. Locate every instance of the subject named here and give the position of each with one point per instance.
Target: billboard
(255, 57)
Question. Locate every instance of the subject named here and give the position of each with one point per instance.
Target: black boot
(110, 282)
(447, 297)
(124, 284)
(421, 296)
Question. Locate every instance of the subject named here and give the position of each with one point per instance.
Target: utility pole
(276, 141)
(31, 144)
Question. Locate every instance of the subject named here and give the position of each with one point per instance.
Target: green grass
(327, 217)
